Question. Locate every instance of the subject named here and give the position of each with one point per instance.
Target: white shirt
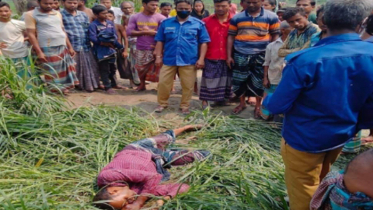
(11, 33)
(274, 62)
(118, 14)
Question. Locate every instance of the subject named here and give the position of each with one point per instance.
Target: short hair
(292, 11)
(101, 196)
(97, 9)
(346, 14)
(127, 2)
(4, 4)
(312, 2)
(284, 25)
(147, 1)
(166, 4)
(183, 1)
(32, 4)
(320, 10)
(369, 28)
(111, 12)
(219, 1)
(272, 2)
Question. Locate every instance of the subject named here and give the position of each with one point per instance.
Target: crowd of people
(311, 63)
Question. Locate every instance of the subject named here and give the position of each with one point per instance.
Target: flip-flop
(239, 111)
(160, 109)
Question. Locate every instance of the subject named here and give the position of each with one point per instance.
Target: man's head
(100, 11)
(150, 6)
(285, 29)
(166, 8)
(70, 5)
(114, 197)
(183, 8)
(110, 15)
(269, 5)
(280, 14)
(222, 7)
(346, 15)
(252, 5)
(127, 7)
(106, 3)
(56, 5)
(296, 17)
(5, 12)
(358, 174)
(81, 3)
(320, 18)
(31, 5)
(46, 5)
(307, 5)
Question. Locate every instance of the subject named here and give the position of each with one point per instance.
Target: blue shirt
(76, 28)
(323, 91)
(103, 52)
(181, 41)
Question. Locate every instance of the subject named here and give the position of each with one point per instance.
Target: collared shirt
(217, 48)
(253, 34)
(118, 13)
(274, 62)
(296, 42)
(316, 37)
(49, 27)
(76, 28)
(181, 41)
(323, 91)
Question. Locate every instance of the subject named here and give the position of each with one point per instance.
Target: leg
(112, 75)
(183, 157)
(188, 76)
(104, 68)
(240, 107)
(166, 77)
(302, 175)
(257, 107)
(329, 159)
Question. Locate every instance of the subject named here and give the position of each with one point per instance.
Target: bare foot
(367, 140)
(141, 88)
(238, 109)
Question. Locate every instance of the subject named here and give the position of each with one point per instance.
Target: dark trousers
(107, 73)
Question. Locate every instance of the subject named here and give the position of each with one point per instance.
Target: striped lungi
(60, 67)
(248, 74)
(216, 81)
(87, 70)
(354, 145)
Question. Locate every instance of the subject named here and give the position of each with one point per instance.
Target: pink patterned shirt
(138, 170)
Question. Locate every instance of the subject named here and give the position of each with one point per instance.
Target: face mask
(183, 14)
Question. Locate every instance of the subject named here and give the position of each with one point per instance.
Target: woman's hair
(272, 2)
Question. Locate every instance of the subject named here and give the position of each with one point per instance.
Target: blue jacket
(99, 33)
(326, 93)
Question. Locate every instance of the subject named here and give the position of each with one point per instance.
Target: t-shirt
(11, 33)
(141, 22)
(312, 17)
(118, 15)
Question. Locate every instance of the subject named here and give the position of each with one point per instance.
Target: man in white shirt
(117, 11)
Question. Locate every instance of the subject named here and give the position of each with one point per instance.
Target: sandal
(160, 109)
(185, 111)
(110, 91)
(238, 110)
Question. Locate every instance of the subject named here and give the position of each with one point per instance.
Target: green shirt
(312, 18)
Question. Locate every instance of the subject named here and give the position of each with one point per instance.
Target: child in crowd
(322, 34)
(280, 14)
(273, 65)
(269, 5)
(199, 10)
(300, 37)
(308, 6)
(140, 168)
(103, 35)
(166, 8)
(351, 189)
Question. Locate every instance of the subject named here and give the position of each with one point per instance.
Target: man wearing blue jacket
(326, 94)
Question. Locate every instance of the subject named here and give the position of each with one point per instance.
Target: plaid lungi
(87, 70)
(60, 67)
(354, 145)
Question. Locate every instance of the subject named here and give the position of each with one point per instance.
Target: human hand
(266, 83)
(200, 64)
(132, 206)
(106, 44)
(151, 33)
(158, 61)
(230, 62)
(3, 45)
(42, 58)
(72, 52)
(125, 54)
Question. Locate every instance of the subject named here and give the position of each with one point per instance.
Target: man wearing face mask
(182, 43)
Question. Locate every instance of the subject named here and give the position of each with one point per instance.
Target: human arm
(274, 28)
(158, 52)
(132, 29)
(186, 128)
(202, 54)
(31, 33)
(267, 62)
(230, 60)
(123, 36)
(291, 85)
(285, 51)
(69, 45)
(137, 204)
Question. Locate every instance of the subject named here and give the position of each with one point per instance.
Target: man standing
(178, 40)
(51, 45)
(325, 99)
(87, 11)
(117, 11)
(166, 8)
(216, 77)
(308, 6)
(127, 8)
(249, 34)
(144, 26)
(76, 26)
(31, 5)
(300, 37)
